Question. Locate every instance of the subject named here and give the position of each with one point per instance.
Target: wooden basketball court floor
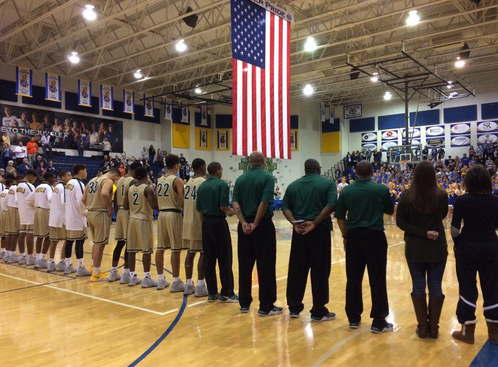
(57, 320)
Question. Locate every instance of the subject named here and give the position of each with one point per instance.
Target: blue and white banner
(128, 101)
(460, 134)
(369, 137)
(390, 135)
(148, 106)
(486, 126)
(185, 115)
(460, 128)
(460, 140)
(352, 111)
(24, 81)
(431, 131)
(106, 97)
(331, 114)
(412, 132)
(84, 93)
(322, 112)
(53, 87)
(369, 146)
(168, 110)
(204, 114)
(489, 138)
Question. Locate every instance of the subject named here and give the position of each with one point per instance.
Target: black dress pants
(217, 245)
(473, 258)
(261, 247)
(311, 251)
(366, 247)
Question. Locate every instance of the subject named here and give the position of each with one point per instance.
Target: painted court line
(34, 286)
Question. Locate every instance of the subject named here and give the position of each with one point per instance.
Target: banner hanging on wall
(53, 87)
(322, 112)
(106, 97)
(148, 105)
(65, 130)
(204, 114)
(352, 111)
(24, 81)
(84, 93)
(128, 101)
(435, 136)
(460, 135)
(168, 110)
(185, 115)
(331, 114)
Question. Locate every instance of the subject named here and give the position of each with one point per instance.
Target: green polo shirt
(365, 203)
(211, 196)
(252, 188)
(307, 196)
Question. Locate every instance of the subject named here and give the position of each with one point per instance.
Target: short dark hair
(63, 172)
(213, 167)
(311, 165)
(135, 165)
(364, 169)
(9, 181)
(48, 175)
(113, 170)
(478, 181)
(198, 163)
(140, 173)
(31, 172)
(78, 167)
(172, 160)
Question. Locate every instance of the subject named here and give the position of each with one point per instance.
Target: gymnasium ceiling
(141, 34)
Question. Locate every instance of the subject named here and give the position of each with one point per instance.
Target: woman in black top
(152, 153)
(420, 215)
(476, 250)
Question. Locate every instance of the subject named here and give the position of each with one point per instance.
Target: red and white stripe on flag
(261, 101)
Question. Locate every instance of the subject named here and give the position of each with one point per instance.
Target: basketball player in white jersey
(57, 220)
(140, 201)
(13, 224)
(170, 193)
(9, 180)
(41, 199)
(27, 218)
(121, 231)
(192, 231)
(76, 220)
(97, 199)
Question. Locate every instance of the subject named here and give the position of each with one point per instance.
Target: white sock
(200, 282)
(114, 269)
(146, 274)
(96, 271)
(190, 282)
(126, 271)
(37, 257)
(91, 262)
(67, 261)
(51, 261)
(23, 254)
(161, 276)
(80, 263)
(176, 279)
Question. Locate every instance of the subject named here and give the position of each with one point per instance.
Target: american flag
(261, 79)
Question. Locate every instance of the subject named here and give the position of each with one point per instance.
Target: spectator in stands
(162, 173)
(145, 154)
(122, 169)
(106, 164)
(20, 152)
(117, 162)
(11, 170)
(23, 167)
(80, 145)
(99, 173)
(46, 145)
(41, 171)
(5, 139)
(6, 153)
(51, 168)
(152, 153)
(146, 165)
(106, 147)
(112, 137)
(38, 161)
(2, 173)
(183, 160)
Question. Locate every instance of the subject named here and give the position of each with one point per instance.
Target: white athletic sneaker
(69, 269)
(31, 260)
(82, 272)
(6, 257)
(61, 266)
(148, 282)
(162, 283)
(51, 267)
(22, 260)
(134, 281)
(125, 278)
(201, 291)
(189, 289)
(41, 264)
(13, 259)
(2, 254)
(113, 276)
(177, 286)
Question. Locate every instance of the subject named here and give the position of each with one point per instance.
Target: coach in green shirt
(365, 202)
(252, 198)
(212, 202)
(307, 205)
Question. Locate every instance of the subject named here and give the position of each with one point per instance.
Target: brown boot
(492, 331)
(466, 335)
(435, 307)
(420, 306)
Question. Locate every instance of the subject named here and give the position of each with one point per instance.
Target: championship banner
(24, 82)
(204, 119)
(322, 112)
(148, 106)
(84, 93)
(106, 97)
(128, 101)
(331, 114)
(185, 115)
(435, 136)
(53, 87)
(352, 111)
(460, 134)
(168, 110)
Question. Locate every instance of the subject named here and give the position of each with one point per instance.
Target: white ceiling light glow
(89, 13)
(375, 77)
(413, 18)
(138, 74)
(450, 85)
(74, 58)
(460, 63)
(388, 96)
(181, 46)
(198, 90)
(308, 90)
(310, 45)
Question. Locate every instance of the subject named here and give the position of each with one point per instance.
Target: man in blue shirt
(23, 167)
(465, 160)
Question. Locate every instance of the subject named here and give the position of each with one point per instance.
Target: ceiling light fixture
(450, 85)
(308, 90)
(460, 63)
(138, 74)
(89, 13)
(310, 45)
(181, 46)
(375, 77)
(74, 58)
(388, 96)
(413, 18)
(198, 90)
